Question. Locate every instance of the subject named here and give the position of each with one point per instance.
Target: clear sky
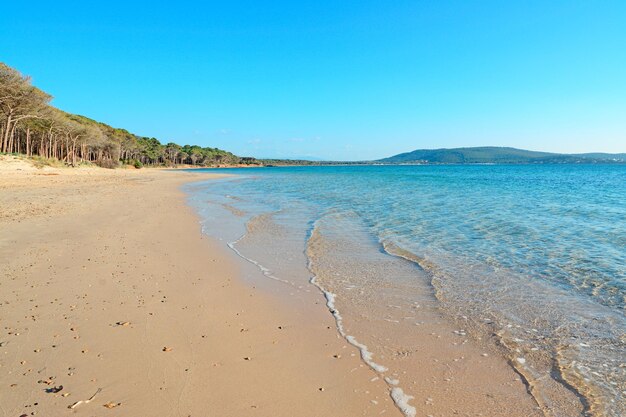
(333, 79)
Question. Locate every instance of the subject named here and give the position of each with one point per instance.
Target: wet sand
(109, 292)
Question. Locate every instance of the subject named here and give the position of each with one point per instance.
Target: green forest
(29, 125)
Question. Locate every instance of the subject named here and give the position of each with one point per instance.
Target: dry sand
(107, 287)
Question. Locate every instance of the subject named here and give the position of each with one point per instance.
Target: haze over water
(530, 257)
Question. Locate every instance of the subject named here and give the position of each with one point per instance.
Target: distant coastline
(474, 155)
(32, 127)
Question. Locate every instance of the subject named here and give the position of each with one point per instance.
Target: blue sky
(334, 79)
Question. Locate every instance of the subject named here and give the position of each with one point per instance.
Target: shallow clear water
(534, 254)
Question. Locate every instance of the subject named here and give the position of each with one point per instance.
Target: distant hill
(618, 157)
(498, 155)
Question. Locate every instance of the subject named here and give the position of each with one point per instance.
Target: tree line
(29, 125)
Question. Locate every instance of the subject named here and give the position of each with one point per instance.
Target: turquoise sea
(533, 257)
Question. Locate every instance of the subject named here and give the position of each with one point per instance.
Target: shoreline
(472, 376)
(118, 292)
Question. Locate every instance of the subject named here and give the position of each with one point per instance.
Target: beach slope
(113, 303)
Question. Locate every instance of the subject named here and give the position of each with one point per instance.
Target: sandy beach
(112, 303)
(108, 287)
